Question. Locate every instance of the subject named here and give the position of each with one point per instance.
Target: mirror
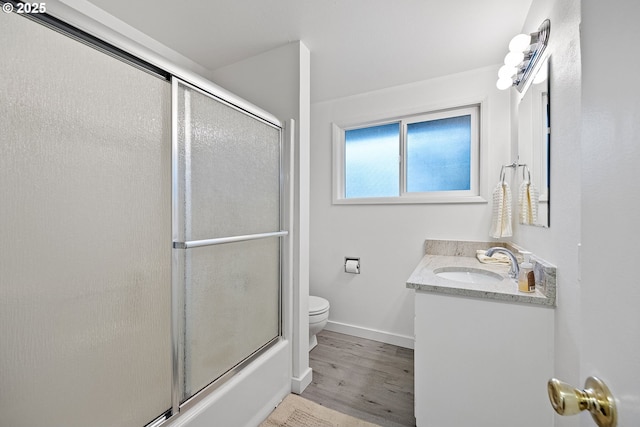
(534, 142)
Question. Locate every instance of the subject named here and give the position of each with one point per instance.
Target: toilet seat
(317, 305)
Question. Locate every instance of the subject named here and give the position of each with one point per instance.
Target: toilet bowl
(318, 316)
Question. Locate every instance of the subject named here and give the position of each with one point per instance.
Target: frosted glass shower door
(85, 233)
(227, 234)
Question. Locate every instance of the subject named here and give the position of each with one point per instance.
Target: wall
(559, 243)
(389, 238)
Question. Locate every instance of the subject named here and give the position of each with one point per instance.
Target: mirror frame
(537, 158)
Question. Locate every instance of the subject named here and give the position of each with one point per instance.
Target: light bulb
(520, 43)
(504, 83)
(507, 71)
(513, 58)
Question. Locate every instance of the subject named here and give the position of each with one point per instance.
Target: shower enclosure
(226, 234)
(141, 235)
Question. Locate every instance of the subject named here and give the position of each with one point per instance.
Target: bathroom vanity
(483, 350)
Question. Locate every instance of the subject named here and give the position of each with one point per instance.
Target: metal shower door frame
(179, 246)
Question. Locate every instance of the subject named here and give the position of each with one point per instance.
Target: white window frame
(473, 195)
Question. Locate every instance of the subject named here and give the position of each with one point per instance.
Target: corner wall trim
(298, 384)
(371, 334)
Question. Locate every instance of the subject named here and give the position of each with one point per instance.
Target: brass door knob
(596, 398)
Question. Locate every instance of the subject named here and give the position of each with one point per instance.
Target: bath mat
(296, 411)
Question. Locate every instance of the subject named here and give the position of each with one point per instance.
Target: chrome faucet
(515, 268)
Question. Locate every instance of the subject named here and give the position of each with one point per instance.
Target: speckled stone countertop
(461, 256)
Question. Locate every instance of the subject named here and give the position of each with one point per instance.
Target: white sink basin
(468, 275)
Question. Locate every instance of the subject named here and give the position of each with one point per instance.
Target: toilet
(318, 316)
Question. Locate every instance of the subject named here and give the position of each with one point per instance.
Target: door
(85, 233)
(610, 289)
(227, 235)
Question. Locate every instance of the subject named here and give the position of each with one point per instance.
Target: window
(431, 157)
(371, 161)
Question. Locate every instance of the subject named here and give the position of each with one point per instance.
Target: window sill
(410, 200)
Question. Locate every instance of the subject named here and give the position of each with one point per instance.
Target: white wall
(559, 243)
(389, 238)
(272, 80)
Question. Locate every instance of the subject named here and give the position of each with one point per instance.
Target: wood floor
(362, 378)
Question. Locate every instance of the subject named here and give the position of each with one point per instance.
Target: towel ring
(515, 165)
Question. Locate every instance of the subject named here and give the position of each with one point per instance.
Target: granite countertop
(424, 279)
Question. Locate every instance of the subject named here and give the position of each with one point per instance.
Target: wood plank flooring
(366, 379)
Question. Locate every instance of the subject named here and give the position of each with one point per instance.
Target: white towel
(501, 221)
(528, 196)
(496, 258)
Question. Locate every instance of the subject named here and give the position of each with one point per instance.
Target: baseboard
(371, 334)
(298, 384)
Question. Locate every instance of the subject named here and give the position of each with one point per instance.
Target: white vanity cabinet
(481, 362)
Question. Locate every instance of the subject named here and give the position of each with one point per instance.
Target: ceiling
(356, 45)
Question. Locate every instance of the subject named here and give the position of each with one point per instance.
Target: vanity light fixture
(525, 54)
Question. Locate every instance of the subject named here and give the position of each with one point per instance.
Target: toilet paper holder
(352, 265)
